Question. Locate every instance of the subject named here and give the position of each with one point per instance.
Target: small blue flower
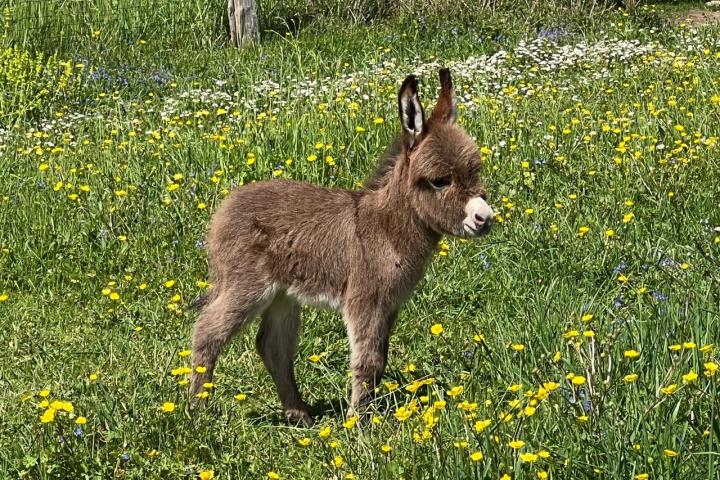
(659, 296)
(78, 432)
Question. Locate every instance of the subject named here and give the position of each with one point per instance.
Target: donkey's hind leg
(228, 312)
(277, 343)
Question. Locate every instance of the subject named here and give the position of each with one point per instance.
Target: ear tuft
(412, 115)
(446, 110)
(445, 80)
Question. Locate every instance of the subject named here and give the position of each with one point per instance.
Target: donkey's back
(285, 235)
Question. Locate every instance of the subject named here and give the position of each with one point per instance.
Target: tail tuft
(199, 302)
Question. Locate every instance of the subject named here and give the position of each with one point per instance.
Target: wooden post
(242, 15)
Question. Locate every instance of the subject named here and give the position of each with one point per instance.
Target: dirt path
(696, 17)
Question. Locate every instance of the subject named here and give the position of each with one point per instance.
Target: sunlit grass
(579, 340)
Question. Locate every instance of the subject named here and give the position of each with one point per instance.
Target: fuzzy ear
(412, 116)
(445, 111)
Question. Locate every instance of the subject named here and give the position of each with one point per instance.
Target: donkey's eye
(440, 183)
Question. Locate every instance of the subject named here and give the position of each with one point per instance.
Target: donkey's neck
(410, 236)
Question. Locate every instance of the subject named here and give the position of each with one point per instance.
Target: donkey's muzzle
(478, 218)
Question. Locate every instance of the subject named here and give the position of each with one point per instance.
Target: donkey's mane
(381, 175)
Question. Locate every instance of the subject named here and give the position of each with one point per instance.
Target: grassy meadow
(579, 340)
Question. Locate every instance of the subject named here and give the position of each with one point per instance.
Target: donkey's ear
(412, 115)
(445, 111)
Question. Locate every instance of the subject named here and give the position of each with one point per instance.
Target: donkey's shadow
(320, 410)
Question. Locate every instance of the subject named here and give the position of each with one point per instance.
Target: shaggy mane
(379, 177)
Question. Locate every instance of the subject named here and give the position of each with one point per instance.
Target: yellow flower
(689, 345)
(455, 391)
(710, 368)
(48, 416)
(528, 457)
(304, 442)
(587, 317)
(516, 444)
(403, 413)
(200, 369)
(551, 386)
(582, 231)
(622, 278)
(180, 371)
(529, 411)
(476, 456)
(385, 448)
(3, 297)
(544, 454)
(273, 475)
(609, 232)
(642, 476)
(325, 432)
(518, 347)
(436, 329)
(338, 461)
(168, 407)
(481, 425)
(578, 380)
(628, 217)
(240, 397)
(670, 389)
(707, 348)
(675, 347)
(631, 354)
(582, 418)
(571, 334)
(184, 353)
(114, 296)
(542, 475)
(629, 378)
(690, 377)
(207, 475)
(670, 453)
(315, 358)
(350, 422)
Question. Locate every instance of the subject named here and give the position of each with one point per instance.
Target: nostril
(479, 218)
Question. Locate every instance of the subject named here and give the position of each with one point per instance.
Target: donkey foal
(278, 244)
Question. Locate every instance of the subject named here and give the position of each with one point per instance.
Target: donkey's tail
(202, 300)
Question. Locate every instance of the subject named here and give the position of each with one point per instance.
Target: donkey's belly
(321, 300)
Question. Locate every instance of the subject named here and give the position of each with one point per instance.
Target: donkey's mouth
(476, 232)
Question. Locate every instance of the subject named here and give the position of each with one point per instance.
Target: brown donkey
(278, 244)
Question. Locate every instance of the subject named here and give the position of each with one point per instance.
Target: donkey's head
(443, 164)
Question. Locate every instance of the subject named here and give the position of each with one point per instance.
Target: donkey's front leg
(369, 333)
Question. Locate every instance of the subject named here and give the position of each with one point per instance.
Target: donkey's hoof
(297, 417)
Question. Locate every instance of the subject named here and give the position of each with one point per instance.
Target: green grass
(88, 210)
